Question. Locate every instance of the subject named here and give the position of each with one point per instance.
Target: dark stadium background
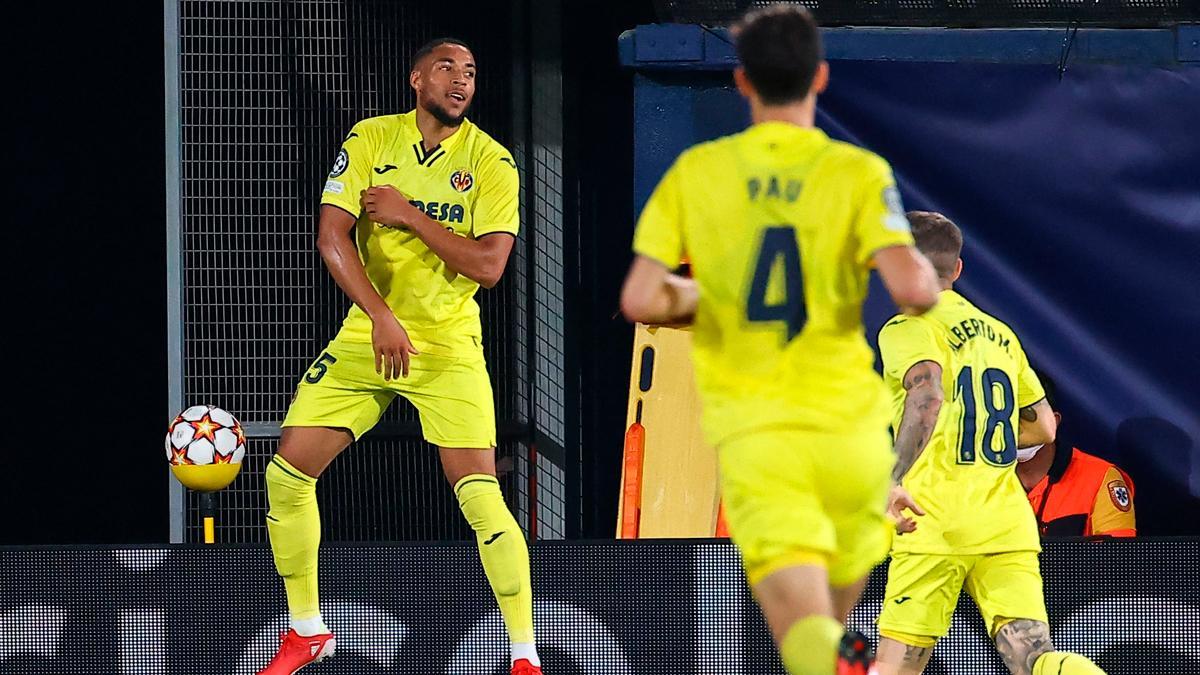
(88, 367)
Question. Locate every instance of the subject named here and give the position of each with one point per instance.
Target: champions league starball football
(205, 446)
(205, 434)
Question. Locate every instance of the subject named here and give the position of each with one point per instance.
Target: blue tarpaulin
(1079, 201)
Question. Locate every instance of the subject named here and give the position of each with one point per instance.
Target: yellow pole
(208, 511)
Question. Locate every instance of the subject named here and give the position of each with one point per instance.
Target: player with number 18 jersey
(965, 399)
(967, 466)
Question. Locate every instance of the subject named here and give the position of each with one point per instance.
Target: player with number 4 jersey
(781, 226)
(964, 398)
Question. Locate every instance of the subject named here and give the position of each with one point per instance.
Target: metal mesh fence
(267, 91)
(546, 212)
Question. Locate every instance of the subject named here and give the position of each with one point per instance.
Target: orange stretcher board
(669, 474)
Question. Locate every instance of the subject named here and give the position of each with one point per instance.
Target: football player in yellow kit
(781, 226)
(964, 399)
(419, 211)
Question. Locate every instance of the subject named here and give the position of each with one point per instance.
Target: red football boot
(855, 655)
(297, 651)
(524, 667)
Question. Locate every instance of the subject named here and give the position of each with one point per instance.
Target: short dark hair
(1050, 387)
(938, 238)
(780, 49)
(433, 44)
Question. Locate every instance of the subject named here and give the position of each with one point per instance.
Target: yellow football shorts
(796, 497)
(453, 395)
(923, 589)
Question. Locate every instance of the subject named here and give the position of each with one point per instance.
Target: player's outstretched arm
(653, 295)
(1036, 426)
(909, 278)
(482, 260)
(390, 340)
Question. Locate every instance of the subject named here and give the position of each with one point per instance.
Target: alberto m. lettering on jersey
(969, 329)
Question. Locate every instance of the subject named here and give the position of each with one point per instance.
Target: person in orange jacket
(1074, 493)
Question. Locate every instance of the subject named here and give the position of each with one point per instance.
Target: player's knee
(1065, 663)
(483, 506)
(809, 647)
(287, 486)
(481, 502)
(309, 450)
(459, 464)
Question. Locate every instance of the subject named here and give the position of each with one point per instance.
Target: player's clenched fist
(393, 349)
(387, 206)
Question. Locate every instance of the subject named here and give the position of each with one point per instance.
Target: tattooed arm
(1037, 425)
(1021, 642)
(923, 400)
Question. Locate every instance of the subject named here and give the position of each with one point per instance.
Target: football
(205, 434)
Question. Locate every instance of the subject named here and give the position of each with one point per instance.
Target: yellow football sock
(502, 550)
(294, 526)
(810, 646)
(1065, 663)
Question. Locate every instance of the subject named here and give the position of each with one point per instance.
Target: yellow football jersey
(964, 479)
(779, 224)
(469, 183)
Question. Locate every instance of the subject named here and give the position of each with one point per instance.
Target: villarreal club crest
(461, 180)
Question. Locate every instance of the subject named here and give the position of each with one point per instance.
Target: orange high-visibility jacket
(1083, 495)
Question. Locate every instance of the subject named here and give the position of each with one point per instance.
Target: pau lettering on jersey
(441, 211)
(774, 187)
(969, 329)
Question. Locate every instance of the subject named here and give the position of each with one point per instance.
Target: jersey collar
(1064, 452)
(777, 129)
(949, 295)
(409, 120)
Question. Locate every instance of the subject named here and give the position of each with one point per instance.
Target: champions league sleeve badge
(340, 164)
(894, 219)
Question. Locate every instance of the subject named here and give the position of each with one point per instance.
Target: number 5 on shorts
(319, 368)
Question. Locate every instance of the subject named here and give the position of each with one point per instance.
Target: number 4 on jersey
(778, 243)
